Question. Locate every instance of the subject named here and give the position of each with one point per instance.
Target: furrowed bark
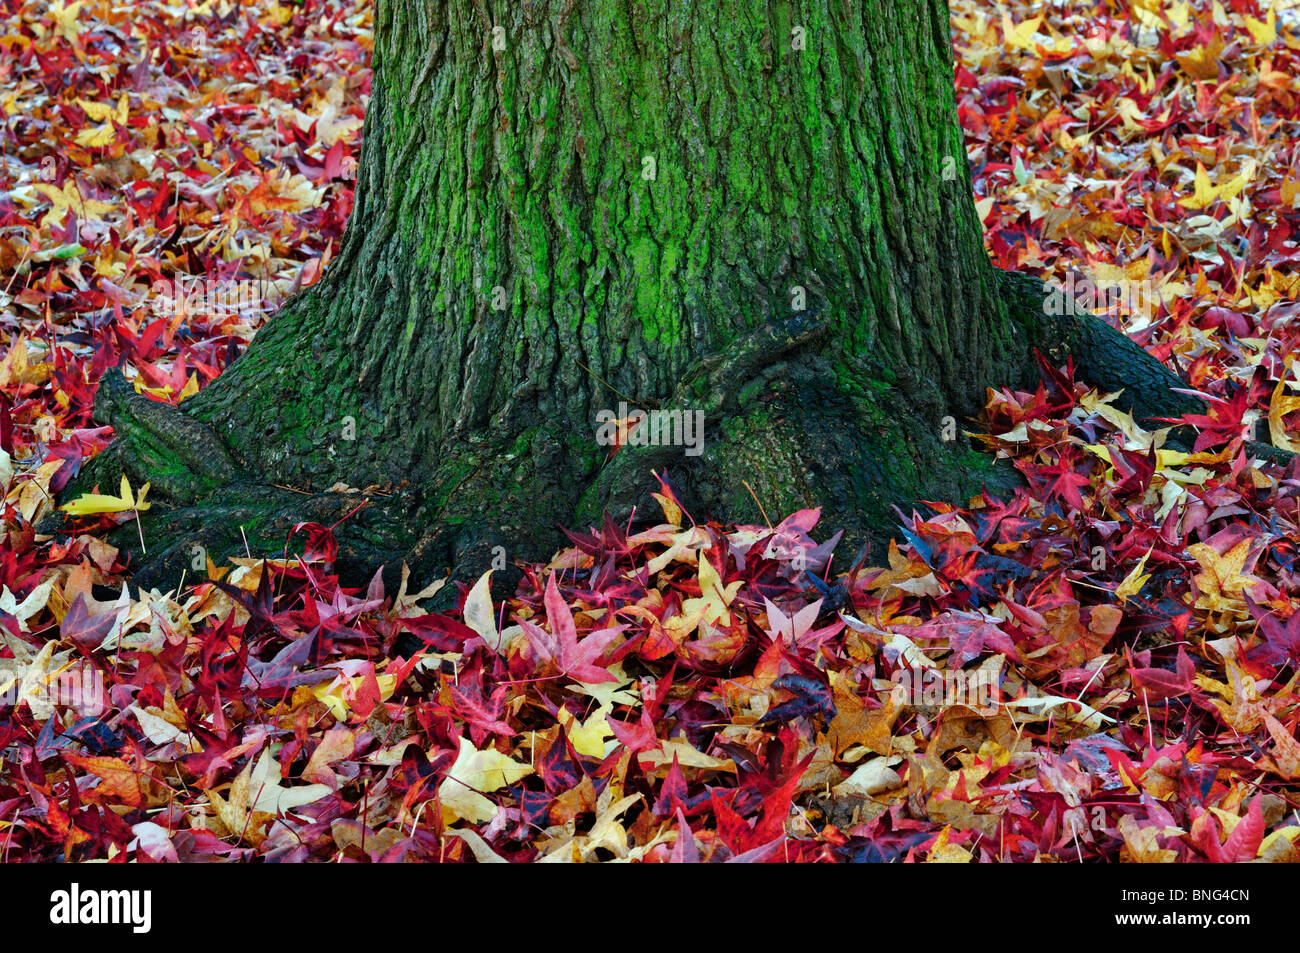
(644, 187)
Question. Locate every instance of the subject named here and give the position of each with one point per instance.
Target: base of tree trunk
(790, 422)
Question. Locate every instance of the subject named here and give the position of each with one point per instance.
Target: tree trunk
(753, 209)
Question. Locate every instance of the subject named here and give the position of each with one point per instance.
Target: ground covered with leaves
(690, 691)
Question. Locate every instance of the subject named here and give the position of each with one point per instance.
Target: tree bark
(756, 209)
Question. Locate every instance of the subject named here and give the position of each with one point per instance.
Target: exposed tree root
(792, 426)
(1112, 362)
(789, 423)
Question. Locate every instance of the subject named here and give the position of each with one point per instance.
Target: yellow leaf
(1281, 405)
(34, 603)
(588, 738)
(69, 197)
(1021, 35)
(162, 393)
(1097, 404)
(1147, 13)
(1264, 33)
(257, 797)
(680, 548)
(15, 369)
(189, 390)
(102, 112)
(1289, 190)
(609, 694)
(483, 853)
(65, 19)
(474, 774)
(1202, 62)
(607, 832)
(871, 777)
(1208, 193)
(1054, 706)
(1279, 846)
(661, 758)
(90, 504)
(479, 614)
(32, 495)
(1243, 712)
(338, 695)
(1142, 844)
(95, 137)
(106, 114)
(1223, 576)
(1286, 750)
(1134, 581)
(39, 684)
(944, 853)
(714, 597)
(96, 112)
(672, 512)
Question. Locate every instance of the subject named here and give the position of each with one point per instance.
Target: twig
(630, 400)
(139, 529)
(760, 505)
(291, 489)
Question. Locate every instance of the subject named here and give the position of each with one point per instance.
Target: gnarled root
(791, 425)
(1111, 362)
(204, 504)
